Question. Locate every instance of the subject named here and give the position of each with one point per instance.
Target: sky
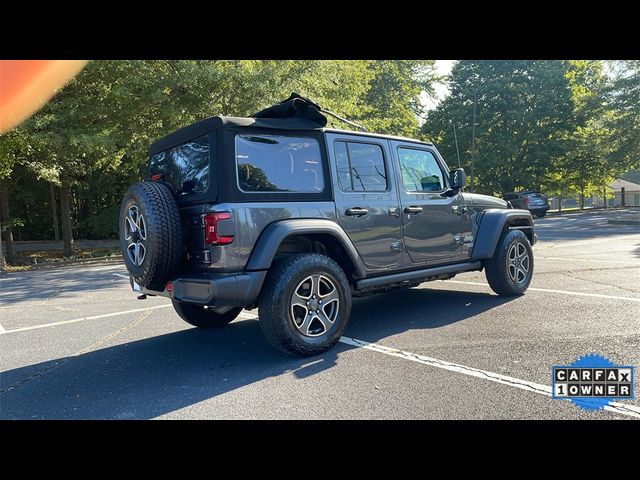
(443, 67)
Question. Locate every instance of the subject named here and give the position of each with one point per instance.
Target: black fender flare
(273, 234)
(491, 224)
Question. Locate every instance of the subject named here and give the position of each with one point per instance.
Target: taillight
(526, 201)
(212, 233)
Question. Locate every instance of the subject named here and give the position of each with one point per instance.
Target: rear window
(509, 196)
(185, 167)
(275, 163)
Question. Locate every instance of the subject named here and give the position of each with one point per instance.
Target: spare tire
(150, 234)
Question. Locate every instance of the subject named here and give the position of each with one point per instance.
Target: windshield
(185, 167)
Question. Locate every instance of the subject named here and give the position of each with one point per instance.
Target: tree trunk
(604, 196)
(560, 203)
(54, 213)
(3, 262)
(582, 199)
(8, 234)
(65, 212)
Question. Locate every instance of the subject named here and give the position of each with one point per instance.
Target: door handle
(356, 212)
(413, 210)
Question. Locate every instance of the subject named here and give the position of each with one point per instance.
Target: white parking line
(121, 275)
(588, 260)
(616, 407)
(563, 292)
(2, 330)
(76, 320)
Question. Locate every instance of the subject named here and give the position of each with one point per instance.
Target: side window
(360, 167)
(185, 167)
(420, 171)
(274, 163)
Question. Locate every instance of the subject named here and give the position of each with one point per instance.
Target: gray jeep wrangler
(279, 213)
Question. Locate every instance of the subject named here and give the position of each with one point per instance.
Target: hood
(485, 201)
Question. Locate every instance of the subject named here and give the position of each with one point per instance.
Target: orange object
(26, 85)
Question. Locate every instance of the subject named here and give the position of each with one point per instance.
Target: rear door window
(360, 167)
(278, 163)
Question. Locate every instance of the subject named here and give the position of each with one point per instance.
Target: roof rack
(348, 122)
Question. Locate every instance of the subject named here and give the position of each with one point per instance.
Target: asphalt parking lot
(75, 343)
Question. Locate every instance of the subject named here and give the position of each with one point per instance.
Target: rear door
(367, 204)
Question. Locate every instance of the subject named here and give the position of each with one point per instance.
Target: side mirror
(457, 178)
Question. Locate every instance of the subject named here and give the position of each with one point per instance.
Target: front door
(367, 204)
(436, 224)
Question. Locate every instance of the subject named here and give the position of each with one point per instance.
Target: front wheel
(510, 270)
(305, 304)
(202, 316)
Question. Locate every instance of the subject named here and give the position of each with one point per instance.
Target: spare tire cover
(150, 234)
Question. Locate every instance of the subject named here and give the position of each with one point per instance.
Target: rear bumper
(538, 208)
(232, 290)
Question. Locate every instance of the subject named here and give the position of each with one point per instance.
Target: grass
(51, 258)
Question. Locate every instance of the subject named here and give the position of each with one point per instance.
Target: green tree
(91, 139)
(392, 103)
(624, 119)
(523, 111)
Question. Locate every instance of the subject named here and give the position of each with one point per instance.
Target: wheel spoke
(131, 252)
(136, 253)
(522, 251)
(130, 227)
(141, 252)
(142, 227)
(326, 322)
(513, 273)
(132, 218)
(332, 296)
(306, 323)
(315, 285)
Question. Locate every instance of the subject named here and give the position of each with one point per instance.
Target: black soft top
(209, 124)
(294, 113)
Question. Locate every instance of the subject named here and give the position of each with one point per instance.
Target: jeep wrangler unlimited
(278, 212)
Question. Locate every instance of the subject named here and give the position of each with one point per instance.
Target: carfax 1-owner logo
(592, 381)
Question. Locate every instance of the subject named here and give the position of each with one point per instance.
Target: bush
(102, 226)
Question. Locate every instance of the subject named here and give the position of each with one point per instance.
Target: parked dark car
(280, 213)
(536, 202)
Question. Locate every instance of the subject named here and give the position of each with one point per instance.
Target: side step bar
(417, 275)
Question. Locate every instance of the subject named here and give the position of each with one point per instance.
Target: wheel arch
(491, 224)
(283, 236)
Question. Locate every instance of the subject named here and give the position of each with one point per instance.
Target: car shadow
(63, 282)
(161, 374)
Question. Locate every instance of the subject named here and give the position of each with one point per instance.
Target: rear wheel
(204, 317)
(510, 270)
(305, 304)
